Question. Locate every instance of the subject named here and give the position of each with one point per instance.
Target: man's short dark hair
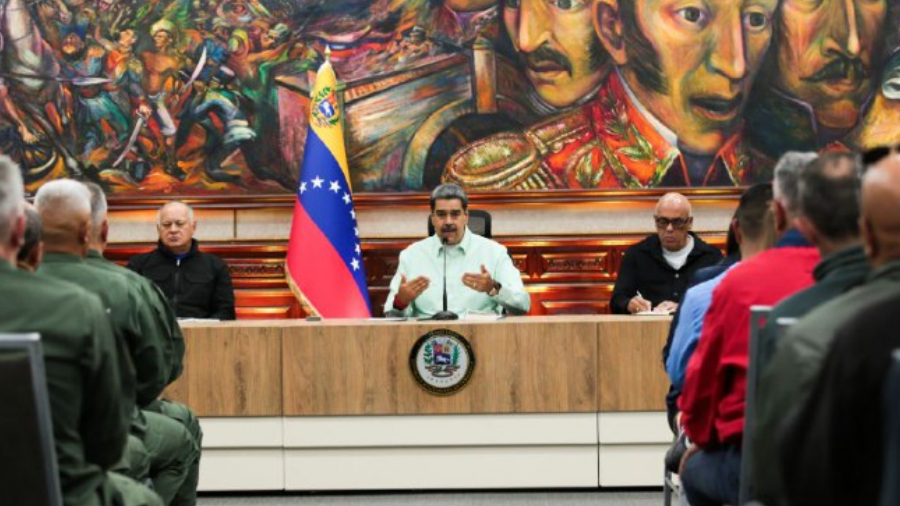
(449, 191)
(34, 233)
(829, 195)
(753, 210)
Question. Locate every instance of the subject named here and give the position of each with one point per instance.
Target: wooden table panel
(561, 364)
(632, 377)
(231, 370)
(523, 365)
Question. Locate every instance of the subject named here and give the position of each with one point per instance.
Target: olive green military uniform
(164, 319)
(130, 318)
(174, 450)
(135, 461)
(87, 381)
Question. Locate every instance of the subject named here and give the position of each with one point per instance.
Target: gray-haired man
(480, 274)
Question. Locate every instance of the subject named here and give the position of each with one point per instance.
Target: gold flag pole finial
(328, 53)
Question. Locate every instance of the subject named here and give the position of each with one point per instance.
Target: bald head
(673, 221)
(673, 201)
(65, 209)
(881, 210)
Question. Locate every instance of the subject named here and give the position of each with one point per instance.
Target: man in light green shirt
(480, 275)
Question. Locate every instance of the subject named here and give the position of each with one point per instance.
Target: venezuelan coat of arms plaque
(442, 362)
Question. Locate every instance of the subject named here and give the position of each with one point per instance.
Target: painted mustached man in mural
(819, 78)
(557, 48)
(668, 115)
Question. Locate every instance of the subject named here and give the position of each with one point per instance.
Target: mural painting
(210, 97)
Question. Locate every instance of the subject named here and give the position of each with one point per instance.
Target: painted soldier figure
(670, 115)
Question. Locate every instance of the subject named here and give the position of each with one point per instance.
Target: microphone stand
(445, 314)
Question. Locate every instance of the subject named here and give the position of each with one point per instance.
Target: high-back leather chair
(28, 472)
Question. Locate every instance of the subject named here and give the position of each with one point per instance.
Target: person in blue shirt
(754, 229)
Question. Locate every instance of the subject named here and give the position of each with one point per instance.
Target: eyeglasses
(677, 223)
(874, 155)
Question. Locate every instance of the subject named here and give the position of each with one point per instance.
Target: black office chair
(479, 222)
(890, 485)
(28, 473)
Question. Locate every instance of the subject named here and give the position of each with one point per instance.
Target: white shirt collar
(677, 259)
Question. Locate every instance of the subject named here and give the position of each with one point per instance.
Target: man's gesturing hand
(410, 290)
(479, 282)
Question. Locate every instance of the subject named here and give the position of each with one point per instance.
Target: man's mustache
(841, 67)
(539, 59)
(448, 228)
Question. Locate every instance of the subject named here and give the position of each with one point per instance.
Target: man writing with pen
(654, 272)
(480, 276)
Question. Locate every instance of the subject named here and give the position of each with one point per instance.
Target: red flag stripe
(338, 295)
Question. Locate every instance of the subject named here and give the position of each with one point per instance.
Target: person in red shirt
(712, 402)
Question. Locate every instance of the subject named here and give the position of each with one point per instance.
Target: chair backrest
(758, 320)
(28, 472)
(479, 222)
(890, 485)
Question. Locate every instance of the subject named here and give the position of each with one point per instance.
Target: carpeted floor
(513, 498)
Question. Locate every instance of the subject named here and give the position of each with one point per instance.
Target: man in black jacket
(655, 272)
(197, 284)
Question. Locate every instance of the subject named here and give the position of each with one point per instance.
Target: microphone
(445, 314)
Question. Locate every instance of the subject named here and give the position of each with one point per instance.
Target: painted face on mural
(689, 62)
(162, 40)
(557, 47)
(73, 46)
(826, 53)
(127, 39)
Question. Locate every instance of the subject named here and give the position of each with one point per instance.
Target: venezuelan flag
(324, 264)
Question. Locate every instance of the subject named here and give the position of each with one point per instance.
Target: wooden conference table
(562, 401)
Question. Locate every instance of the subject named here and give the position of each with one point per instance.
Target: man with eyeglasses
(480, 276)
(197, 284)
(655, 272)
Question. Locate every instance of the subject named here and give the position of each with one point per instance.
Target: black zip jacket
(645, 270)
(197, 286)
